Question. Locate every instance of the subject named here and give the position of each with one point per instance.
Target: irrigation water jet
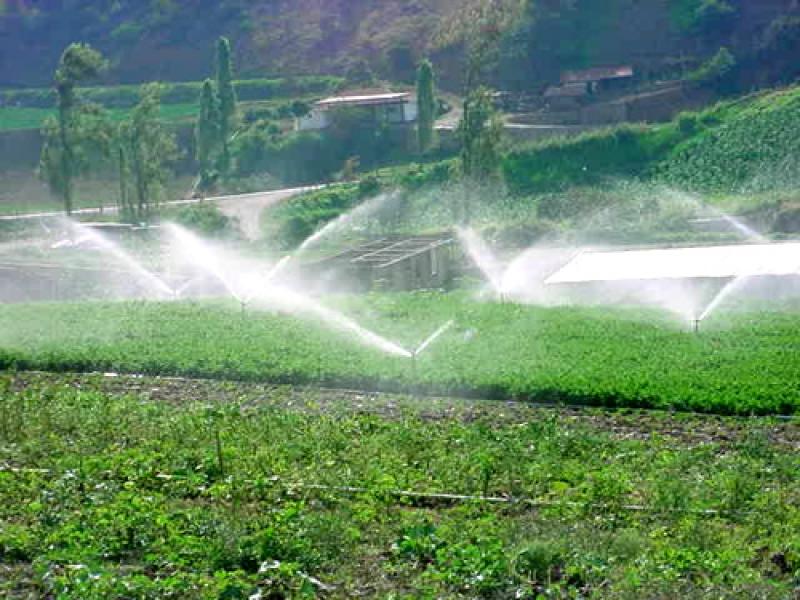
(425, 345)
(362, 210)
(293, 302)
(483, 258)
(155, 283)
(198, 253)
(433, 337)
(270, 275)
(271, 295)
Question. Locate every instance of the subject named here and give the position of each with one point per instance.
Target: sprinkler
(696, 323)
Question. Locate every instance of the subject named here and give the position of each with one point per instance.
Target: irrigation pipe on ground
(445, 498)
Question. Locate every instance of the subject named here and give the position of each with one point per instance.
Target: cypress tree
(207, 133)
(427, 105)
(227, 99)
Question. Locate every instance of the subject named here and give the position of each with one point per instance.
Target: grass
(740, 364)
(124, 496)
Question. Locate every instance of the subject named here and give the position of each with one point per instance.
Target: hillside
(744, 145)
(169, 40)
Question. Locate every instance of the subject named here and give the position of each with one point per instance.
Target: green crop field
(745, 363)
(287, 494)
(12, 118)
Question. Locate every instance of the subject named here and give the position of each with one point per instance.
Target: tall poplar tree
(61, 152)
(147, 151)
(480, 131)
(207, 134)
(426, 101)
(227, 100)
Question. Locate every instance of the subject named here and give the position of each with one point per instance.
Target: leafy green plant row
(741, 364)
(121, 496)
(126, 96)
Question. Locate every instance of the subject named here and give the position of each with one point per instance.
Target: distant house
(393, 108)
(570, 96)
(579, 87)
(599, 79)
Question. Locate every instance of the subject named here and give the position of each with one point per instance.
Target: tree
(360, 73)
(146, 150)
(427, 105)
(207, 134)
(228, 113)
(480, 131)
(480, 26)
(61, 158)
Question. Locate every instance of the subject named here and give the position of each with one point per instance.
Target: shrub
(552, 165)
(206, 218)
(687, 123)
(788, 219)
(701, 16)
(539, 562)
(716, 72)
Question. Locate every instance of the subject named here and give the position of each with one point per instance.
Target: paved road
(246, 207)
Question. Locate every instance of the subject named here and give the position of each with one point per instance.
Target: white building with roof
(389, 107)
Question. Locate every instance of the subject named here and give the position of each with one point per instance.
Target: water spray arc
(267, 294)
(267, 278)
(483, 258)
(81, 233)
(427, 344)
(202, 256)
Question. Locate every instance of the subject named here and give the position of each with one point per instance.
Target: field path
(245, 207)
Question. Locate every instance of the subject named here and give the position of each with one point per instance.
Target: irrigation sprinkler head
(696, 324)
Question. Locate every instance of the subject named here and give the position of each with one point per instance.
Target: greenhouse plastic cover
(682, 263)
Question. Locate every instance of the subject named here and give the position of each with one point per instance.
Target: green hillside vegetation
(170, 39)
(740, 155)
(748, 145)
(724, 148)
(741, 364)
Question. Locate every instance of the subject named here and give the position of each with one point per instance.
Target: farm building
(600, 79)
(579, 87)
(393, 108)
(391, 263)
